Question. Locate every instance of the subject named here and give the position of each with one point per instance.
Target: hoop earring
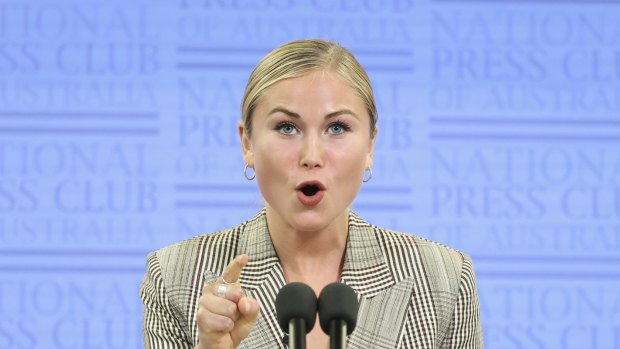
(366, 179)
(245, 173)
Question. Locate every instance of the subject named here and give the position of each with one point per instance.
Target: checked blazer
(413, 293)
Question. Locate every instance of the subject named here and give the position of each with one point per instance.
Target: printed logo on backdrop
(211, 81)
(78, 121)
(538, 113)
(87, 311)
(523, 124)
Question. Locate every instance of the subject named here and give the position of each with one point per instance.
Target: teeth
(310, 190)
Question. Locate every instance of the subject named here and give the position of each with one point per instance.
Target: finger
(249, 310)
(248, 307)
(233, 269)
(221, 306)
(233, 292)
(211, 323)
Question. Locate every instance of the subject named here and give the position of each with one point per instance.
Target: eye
(286, 128)
(338, 127)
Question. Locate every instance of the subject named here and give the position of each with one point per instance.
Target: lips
(310, 193)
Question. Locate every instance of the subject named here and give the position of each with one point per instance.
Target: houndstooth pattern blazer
(413, 293)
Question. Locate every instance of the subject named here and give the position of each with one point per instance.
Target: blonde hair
(299, 57)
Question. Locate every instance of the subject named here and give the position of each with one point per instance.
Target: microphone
(296, 306)
(338, 308)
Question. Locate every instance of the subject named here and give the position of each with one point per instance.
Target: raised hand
(225, 315)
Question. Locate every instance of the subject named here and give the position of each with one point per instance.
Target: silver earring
(245, 173)
(366, 179)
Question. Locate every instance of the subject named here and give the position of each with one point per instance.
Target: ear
(246, 145)
(371, 148)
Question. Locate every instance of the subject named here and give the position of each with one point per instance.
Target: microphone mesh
(296, 301)
(338, 301)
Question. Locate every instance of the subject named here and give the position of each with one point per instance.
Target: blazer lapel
(383, 296)
(261, 278)
(365, 268)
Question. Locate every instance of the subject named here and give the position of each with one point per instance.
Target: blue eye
(286, 128)
(338, 128)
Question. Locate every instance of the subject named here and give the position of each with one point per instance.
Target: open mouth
(310, 193)
(310, 190)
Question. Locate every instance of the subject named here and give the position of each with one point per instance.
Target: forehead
(319, 88)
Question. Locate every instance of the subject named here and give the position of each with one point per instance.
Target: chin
(313, 220)
(309, 224)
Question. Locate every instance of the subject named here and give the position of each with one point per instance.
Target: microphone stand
(297, 333)
(337, 334)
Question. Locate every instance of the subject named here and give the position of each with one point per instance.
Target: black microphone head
(296, 301)
(338, 301)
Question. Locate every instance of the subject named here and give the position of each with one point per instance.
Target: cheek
(352, 157)
(274, 157)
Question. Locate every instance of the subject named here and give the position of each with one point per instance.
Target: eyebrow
(297, 116)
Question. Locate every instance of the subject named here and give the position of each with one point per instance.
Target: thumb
(249, 309)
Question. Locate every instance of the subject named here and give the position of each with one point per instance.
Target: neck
(309, 252)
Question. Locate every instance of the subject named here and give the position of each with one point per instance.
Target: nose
(312, 152)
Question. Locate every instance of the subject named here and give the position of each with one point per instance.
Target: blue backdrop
(499, 135)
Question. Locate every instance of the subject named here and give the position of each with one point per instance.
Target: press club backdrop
(499, 135)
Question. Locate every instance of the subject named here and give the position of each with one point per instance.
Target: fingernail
(239, 258)
(247, 307)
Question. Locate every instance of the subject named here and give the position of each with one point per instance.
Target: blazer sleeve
(465, 331)
(161, 329)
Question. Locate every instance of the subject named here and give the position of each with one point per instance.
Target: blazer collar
(365, 266)
(264, 264)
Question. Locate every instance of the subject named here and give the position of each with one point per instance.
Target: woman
(307, 135)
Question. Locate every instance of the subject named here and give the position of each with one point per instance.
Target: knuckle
(220, 323)
(210, 298)
(203, 303)
(202, 315)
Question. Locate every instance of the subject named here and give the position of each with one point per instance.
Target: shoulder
(409, 255)
(209, 252)
(182, 263)
(423, 245)
(219, 240)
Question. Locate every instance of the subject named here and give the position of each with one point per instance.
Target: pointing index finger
(233, 269)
